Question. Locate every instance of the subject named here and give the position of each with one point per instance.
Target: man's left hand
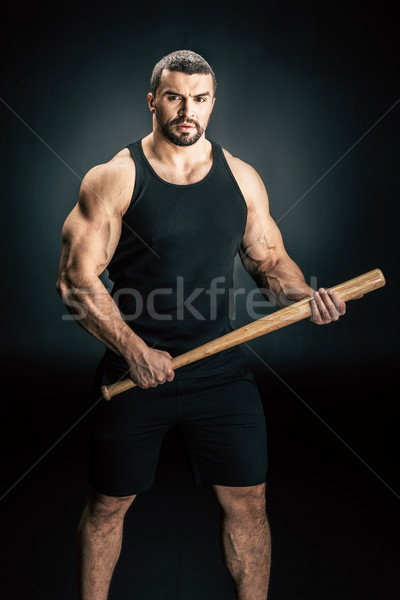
(326, 306)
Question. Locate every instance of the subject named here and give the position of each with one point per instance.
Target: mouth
(184, 126)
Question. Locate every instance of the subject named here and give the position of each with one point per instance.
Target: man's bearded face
(176, 132)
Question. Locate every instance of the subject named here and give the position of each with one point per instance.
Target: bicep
(262, 243)
(90, 235)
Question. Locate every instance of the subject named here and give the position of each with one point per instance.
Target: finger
(317, 309)
(338, 302)
(323, 313)
(170, 375)
(143, 386)
(137, 380)
(330, 306)
(315, 318)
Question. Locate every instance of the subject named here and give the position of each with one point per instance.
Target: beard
(184, 138)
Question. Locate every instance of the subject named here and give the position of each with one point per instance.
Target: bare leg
(246, 539)
(99, 543)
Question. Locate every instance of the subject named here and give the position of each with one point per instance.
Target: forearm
(93, 308)
(281, 281)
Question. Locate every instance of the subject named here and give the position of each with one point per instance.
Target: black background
(306, 94)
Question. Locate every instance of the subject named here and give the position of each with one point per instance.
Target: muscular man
(167, 216)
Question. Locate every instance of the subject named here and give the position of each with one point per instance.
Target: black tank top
(173, 267)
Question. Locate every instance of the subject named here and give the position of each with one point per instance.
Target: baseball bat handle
(353, 288)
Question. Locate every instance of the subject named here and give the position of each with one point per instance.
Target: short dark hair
(184, 61)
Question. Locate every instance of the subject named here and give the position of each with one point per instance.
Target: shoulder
(110, 184)
(249, 181)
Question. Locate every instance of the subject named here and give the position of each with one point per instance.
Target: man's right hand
(149, 367)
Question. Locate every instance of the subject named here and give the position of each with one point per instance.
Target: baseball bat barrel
(353, 288)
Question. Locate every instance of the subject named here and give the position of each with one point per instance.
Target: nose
(187, 108)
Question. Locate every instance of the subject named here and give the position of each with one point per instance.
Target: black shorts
(221, 418)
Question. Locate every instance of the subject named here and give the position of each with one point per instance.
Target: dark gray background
(298, 86)
(303, 92)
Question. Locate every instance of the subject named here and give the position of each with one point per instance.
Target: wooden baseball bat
(353, 288)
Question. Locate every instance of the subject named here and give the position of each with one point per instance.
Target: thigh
(223, 423)
(126, 435)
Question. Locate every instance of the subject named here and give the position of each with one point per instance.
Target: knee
(245, 501)
(103, 509)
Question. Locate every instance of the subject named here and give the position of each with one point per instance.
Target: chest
(183, 175)
(187, 222)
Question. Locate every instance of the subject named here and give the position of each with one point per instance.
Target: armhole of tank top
(133, 149)
(233, 178)
(229, 170)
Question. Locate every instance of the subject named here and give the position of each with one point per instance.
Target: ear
(150, 102)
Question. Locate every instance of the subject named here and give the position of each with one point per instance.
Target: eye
(201, 99)
(172, 98)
